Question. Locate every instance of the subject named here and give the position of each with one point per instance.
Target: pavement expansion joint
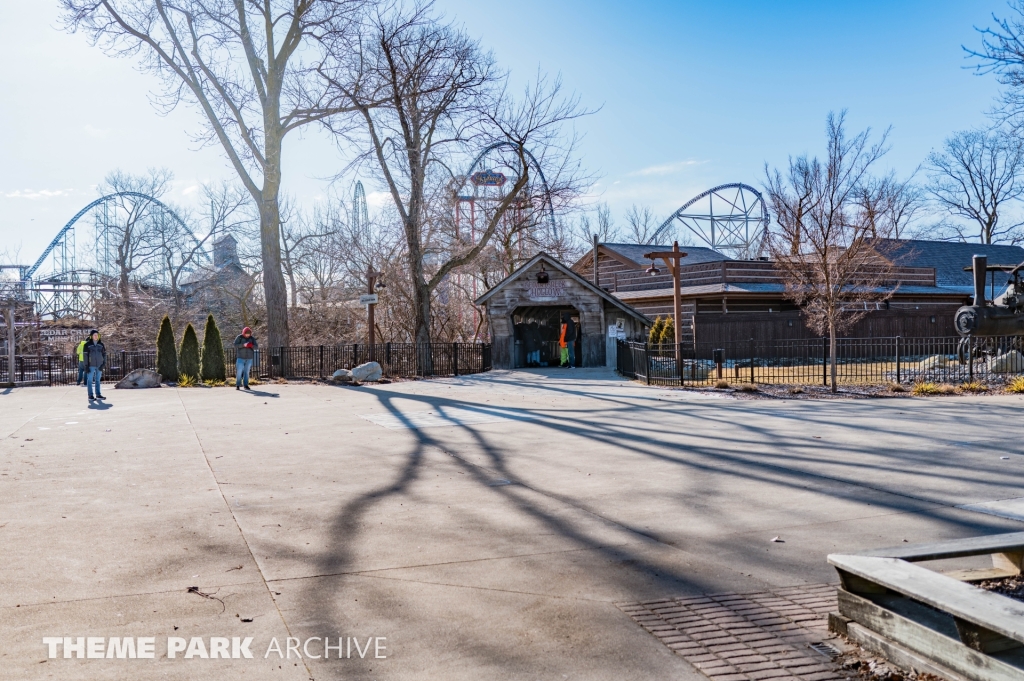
(779, 635)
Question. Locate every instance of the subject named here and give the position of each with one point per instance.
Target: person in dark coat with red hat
(245, 351)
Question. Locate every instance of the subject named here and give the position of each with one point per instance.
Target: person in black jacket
(95, 355)
(245, 350)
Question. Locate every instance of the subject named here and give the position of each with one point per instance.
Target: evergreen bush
(166, 353)
(668, 332)
(654, 337)
(188, 355)
(213, 353)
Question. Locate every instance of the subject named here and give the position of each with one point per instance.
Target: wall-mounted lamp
(542, 276)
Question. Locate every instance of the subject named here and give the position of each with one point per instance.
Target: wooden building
(728, 300)
(524, 312)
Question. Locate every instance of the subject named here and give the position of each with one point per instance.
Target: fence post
(824, 361)
(899, 375)
(124, 358)
(647, 363)
(970, 358)
(455, 358)
(321, 361)
(49, 372)
(751, 360)
(387, 353)
(355, 355)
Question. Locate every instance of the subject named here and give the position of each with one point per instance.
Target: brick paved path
(746, 637)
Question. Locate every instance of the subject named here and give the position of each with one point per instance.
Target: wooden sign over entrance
(546, 293)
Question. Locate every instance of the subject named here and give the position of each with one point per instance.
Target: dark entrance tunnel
(536, 330)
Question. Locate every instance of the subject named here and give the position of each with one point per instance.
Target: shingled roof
(949, 258)
(694, 254)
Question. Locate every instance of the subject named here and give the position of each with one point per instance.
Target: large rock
(370, 371)
(140, 378)
(342, 376)
(934, 362)
(1010, 363)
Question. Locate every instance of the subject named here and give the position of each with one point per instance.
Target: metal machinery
(988, 325)
(65, 279)
(730, 218)
(530, 220)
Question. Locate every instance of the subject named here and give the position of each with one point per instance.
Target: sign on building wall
(546, 293)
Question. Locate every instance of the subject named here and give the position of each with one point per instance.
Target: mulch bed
(1008, 586)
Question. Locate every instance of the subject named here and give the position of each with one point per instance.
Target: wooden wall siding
(567, 292)
(764, 326)
(618, 277)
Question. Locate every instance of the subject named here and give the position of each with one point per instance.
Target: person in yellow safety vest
(80, 351)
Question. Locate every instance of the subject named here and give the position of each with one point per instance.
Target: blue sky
(692, 94)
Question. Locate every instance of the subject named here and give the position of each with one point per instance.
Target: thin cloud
(664, 169)
(34, 195)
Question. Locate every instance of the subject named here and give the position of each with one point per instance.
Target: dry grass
(795, 390)
(186, 381)
(1016, 385)
(897, 388)
(973, 387)
(746, 387)
(930, 388)
(722, 385)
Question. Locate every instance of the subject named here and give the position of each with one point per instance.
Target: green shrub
(654, 337)
(213, 353)
(166, 354)
(188, 355)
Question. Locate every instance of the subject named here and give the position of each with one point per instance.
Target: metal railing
(397, 360)
(858, 361)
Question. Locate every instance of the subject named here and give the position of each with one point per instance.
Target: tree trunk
(422, 313)
(832, 353)
(274, 289)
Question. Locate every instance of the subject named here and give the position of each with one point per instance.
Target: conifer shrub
(213, 368)
(166, 353)
(654, 337)
(188, 355)
(668, 332)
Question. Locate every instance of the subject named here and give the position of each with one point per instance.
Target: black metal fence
(858, 360)
(398, 360)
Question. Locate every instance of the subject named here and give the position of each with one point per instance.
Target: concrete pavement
(479, 527)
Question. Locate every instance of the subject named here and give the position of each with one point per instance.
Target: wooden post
(371, 279)
(597, 279)
(673, 259)
(10, 344)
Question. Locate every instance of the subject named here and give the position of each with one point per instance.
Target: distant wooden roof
(555, 264)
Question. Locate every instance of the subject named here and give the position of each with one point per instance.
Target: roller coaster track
(71, 223)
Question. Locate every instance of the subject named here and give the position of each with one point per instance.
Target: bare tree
(251, 67)
(973, 179)
(1002, 53)
(429, 99)
(822, 246)
(642, 224)
(132, 230)
(888, 206)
